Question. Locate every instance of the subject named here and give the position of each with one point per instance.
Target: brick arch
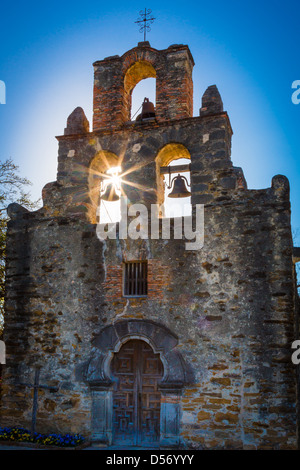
(137, 54)
(138, 71)
(100, 163)
(174, 85)
(168, 153)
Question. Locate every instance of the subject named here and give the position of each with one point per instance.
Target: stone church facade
(199, 355)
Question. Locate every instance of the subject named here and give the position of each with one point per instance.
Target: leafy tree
(12, 189)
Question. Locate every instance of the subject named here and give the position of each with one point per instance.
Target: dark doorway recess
(136, 396)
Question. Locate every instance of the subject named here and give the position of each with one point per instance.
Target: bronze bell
(110, 194)
(148, 110)
(179, 188)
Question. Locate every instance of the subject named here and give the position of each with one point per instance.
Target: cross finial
(144, 21)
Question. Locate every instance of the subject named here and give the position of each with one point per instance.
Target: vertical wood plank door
(136, 398)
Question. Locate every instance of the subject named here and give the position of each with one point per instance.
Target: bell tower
(115, 77)
(144, 148)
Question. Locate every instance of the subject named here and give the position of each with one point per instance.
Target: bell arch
(102, 161)
(167, 154)
(98, 375)
(138, 71)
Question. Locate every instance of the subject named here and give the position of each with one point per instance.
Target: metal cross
(36, 387)
(144, 21)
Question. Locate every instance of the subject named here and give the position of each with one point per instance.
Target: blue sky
(250, 50)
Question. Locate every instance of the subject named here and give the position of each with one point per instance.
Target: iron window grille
(135, 279)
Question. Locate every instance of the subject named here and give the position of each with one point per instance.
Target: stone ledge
(146, 125)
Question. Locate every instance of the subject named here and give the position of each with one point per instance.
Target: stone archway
(138, 71)
(98, 375)
(98, 166)
(168, 153)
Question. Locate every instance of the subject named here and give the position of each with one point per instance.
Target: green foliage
(12, 189)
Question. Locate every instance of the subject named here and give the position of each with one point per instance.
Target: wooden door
(136, 398)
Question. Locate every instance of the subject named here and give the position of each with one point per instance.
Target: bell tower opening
(177, 195)
(110, 193)
(104, 188)
(139, 71)
(173, 180)
(145, 88)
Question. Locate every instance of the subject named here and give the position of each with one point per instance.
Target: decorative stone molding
(111, 338)
(98, 376)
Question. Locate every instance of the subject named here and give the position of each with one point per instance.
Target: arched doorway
(137, 372)
(102, 380)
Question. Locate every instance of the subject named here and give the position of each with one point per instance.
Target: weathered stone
(77, 123)
(220, 319)
(211, 101)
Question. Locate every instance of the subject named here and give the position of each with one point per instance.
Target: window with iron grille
(135, 279)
